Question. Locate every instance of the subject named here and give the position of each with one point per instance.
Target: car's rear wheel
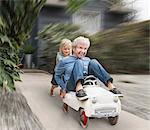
(113, 120)
(65, 108)
(83, 118)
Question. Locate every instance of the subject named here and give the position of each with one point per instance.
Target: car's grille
(105, 110)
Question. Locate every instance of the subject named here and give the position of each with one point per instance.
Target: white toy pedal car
(101, 103)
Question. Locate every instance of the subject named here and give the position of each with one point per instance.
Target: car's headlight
(94, 100)
(115, 99)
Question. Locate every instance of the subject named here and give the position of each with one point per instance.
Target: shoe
(52, 90)
(81, 95)
(60, 92)
(117, 92)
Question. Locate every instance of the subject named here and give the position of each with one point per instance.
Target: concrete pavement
(35, 87)
(136, 90)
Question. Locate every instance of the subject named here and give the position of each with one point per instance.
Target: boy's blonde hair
(64, 42)
(79, 40)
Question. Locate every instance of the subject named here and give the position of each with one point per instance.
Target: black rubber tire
(65, 108)
(113, 120)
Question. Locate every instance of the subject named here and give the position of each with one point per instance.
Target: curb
(34, 71)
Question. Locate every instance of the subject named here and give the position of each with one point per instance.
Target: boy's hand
(63, 93)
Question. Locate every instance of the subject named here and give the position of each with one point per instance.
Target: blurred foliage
(74, 5)
(52, 34)
(16, 21)
(124, 49)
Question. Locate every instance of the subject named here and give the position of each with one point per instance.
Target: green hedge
(124, 49)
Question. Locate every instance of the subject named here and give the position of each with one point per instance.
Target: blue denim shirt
(59, 57)
(63, 69)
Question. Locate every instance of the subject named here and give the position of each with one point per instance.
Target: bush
(124, 49)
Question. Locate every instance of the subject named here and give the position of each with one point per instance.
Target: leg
(53, 81)
(96, 69)
(76, 80)
(54, 85)
(76, 76)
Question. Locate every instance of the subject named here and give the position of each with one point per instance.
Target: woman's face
(66, 50)
(80, 50)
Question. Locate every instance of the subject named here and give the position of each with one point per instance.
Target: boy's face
(66, 50)
(80, 50)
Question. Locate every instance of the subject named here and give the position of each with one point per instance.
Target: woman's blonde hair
(79, 40)
(63, 43)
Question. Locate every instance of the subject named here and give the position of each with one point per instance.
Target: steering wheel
(90, 80)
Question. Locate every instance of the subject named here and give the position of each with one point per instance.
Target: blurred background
(118, 30)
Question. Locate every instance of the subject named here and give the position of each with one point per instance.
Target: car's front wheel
(83, 118)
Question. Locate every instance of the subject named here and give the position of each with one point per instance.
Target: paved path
(136, 90)
(35, 88)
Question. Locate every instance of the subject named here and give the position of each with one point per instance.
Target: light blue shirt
(63, 69)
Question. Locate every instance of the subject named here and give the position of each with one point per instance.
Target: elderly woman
(75, 68)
